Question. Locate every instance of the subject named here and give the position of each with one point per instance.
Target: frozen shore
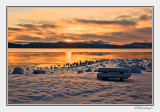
(79, 85)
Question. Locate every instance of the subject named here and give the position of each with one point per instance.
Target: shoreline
(68, 86)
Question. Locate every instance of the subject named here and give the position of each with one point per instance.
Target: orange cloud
(114, 25)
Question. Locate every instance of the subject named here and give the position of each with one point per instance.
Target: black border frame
(80, 104)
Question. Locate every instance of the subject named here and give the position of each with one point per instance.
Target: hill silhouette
(77, 45)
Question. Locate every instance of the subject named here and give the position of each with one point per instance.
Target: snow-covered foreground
(70, 86)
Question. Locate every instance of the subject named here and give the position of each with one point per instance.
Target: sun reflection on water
(68, 56)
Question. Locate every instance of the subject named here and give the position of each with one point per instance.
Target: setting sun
(68, 40)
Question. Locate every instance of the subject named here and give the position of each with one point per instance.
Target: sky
(103, 25)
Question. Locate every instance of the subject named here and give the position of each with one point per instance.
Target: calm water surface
(33, 57)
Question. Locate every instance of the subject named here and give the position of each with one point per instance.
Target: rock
(88, 70)
(149, 65)
(135, 70)
(137, 60)
(18, 70)
(130, 62)
(80, 71)
(90, 63)
(86, 66)
(39, 72)
(142, 67)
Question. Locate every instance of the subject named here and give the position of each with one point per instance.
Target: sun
(68, 40)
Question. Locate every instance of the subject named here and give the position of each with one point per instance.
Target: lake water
(46, 57)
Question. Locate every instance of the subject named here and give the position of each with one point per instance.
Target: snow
(75, 86)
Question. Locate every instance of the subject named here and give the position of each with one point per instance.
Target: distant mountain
(78, 45)
(138, 45)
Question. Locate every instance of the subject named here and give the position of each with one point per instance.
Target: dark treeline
(78, 45)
